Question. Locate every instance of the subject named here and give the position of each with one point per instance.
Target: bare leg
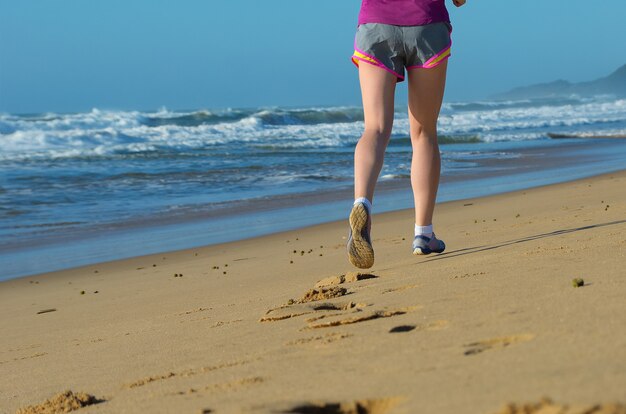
(377, 88)
(426, 87)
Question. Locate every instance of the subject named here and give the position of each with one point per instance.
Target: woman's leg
(377, 89)
(426, 87)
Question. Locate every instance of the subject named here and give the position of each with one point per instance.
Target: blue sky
(74, 55)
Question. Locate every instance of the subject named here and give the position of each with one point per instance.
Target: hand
(458, 3)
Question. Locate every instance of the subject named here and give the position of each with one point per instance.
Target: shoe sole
(419, 252)
(360, 251)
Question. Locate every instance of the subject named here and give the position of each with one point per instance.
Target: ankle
(366, 202)
(426, 231)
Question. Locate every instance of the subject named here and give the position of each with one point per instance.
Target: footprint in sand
(332, 319)
(372, 406)
(292, 311)
(361, 317)
(63, 402)
(496, 343)
(349, 277)
(328, 289)
(316, 294)
(303, 305)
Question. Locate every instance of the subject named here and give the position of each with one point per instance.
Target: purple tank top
(403, 12)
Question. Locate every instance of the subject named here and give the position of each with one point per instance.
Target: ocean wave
(190, 119)
(312, 116)
(522, 103)
(100, 133)
(512, 120)
(267, 116)
(81, 142)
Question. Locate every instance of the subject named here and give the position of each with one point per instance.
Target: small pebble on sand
(578, 282)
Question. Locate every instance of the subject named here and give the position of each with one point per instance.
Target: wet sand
(505, 167)
(282, 323)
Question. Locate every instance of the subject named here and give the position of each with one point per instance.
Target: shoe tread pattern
(360, 250)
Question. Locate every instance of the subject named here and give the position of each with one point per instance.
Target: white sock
(364, 201)
(424, 230)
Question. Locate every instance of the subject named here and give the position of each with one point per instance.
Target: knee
(420, 132)
(377, 138)
(378, 133)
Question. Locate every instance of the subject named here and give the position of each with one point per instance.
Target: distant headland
(613, 84)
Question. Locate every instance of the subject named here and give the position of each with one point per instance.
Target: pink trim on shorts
(378, 63)
(425, 65)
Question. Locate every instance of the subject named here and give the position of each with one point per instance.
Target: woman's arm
(458, 3)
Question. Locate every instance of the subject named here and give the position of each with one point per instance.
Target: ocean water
(84, 187)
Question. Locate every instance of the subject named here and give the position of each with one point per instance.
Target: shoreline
(231, 328)
(465, 202)
(199, 226)
(156, 181)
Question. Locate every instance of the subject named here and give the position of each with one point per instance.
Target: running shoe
(360, 250)
(427, 245)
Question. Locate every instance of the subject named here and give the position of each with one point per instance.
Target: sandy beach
(282, 323)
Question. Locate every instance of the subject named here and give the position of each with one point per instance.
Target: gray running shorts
(394, 48)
